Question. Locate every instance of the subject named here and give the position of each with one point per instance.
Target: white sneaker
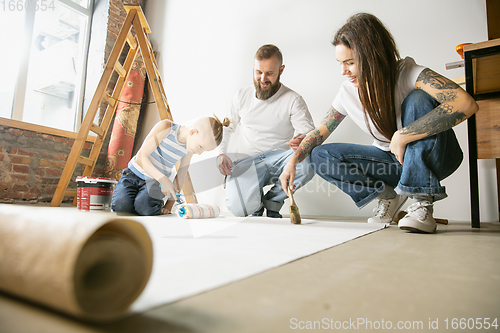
(386, 209)
(419, 218)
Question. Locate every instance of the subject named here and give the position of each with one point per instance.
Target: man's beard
(267, 93)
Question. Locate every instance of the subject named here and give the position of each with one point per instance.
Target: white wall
(206, 53)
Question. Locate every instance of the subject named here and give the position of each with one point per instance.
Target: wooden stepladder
(139, 43)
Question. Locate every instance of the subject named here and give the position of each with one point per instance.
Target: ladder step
(109, 100)
(70, 192)
(131, 41)
(85, 160)
(120, 70)
(96, 129)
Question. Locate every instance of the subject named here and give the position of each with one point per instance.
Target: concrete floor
(388, 279)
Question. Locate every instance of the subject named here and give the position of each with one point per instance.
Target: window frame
(42, 129)
(22, 74)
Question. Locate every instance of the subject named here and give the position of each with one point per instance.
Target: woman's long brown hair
(376, 58)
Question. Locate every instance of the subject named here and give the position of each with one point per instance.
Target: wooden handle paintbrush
(294, 210)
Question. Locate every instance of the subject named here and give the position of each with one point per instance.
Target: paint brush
(294, 210)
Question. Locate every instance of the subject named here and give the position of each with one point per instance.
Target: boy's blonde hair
(217, 127)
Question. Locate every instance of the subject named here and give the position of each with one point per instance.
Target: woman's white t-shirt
(348, 103)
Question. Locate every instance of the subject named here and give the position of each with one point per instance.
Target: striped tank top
(164, 157)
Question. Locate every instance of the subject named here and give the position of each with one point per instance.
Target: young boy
(145, 182)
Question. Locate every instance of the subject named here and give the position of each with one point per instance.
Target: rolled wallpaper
(89, 265)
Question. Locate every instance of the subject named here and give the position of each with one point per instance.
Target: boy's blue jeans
(363, 172)
(136, 196)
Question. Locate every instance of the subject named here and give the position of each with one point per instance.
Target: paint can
(94, 193)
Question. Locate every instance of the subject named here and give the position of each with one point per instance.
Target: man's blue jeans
(363, 172)
(136, 196)
(244, 192)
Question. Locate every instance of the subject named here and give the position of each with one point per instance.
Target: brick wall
(117, 14)
(30, 162)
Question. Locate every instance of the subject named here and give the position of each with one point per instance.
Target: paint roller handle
(181, 212)
(166, 186)
(177, 198)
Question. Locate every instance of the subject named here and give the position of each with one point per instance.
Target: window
(44, 60)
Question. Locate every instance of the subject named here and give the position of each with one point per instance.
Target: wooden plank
(160, 84)
(41, 129)
(142, 18)
(459, 80)
(120, 70)
(474, 76)
(488, 128)
(493, 18)
(109, 100)
(70, 192)
(85, 160)
(132, 42)
(487, 71)
(482, 45)
(188, 190)
(96, 129)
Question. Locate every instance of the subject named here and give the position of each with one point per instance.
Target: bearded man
(270, 121)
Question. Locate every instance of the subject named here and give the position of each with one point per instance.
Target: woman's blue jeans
(363, 172)
(136, 196)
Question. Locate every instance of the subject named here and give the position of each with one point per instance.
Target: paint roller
(197, 211)
(193, 211)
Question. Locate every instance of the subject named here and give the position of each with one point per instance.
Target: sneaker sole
(415, 226)
(417, 230)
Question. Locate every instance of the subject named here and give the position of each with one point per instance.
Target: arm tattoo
(443, 117)
(428, 76)
(332, 119)
(438, 120)
(312, 140)
(447, 96)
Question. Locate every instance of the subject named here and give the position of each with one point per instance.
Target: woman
(408, 109)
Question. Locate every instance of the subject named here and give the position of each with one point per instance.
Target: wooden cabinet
(482, 80)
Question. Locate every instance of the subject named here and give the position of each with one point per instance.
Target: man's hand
(224, 164)
(295, 142)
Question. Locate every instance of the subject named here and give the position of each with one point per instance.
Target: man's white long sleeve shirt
(266, 125)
